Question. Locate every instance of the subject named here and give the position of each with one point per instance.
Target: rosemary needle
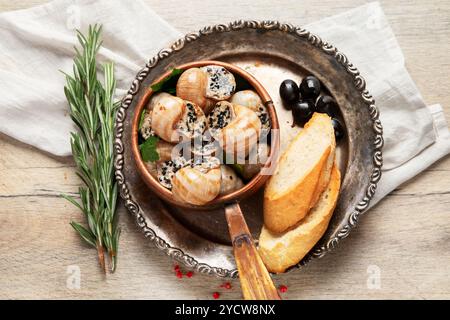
(92, 109)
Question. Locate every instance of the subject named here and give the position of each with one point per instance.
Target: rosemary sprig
(92, 108)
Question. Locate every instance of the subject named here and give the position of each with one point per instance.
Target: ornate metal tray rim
(360, 85)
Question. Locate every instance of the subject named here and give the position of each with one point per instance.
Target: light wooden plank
(406, 235)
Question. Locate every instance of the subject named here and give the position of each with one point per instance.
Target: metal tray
(272, 52)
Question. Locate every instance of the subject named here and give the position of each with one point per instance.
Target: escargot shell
(191, 86)
(230, 180)
(198, 184)
(155, 99)
(152, 168)
(172, 118)
(167, 111)
(201, 147)
(165, 152)
(250, 99)
(220, 116)
(193, 122)
(205, 163)
(220, 82)
(146, 127)
(239, 134)
(205, 148)
(167, 169)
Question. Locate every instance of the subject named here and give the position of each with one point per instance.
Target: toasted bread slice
(325, 175)
(280, 252)
(299, 179)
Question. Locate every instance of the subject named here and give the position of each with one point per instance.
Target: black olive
(338, 129)
(302, 111)
(326, 104)
(310, 87)
(289, 92)
(312, 103)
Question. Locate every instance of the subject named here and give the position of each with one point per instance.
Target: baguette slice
(325, 175)
(280, 252)
(298, 180)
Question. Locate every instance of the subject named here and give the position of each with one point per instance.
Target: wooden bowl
(250, 187)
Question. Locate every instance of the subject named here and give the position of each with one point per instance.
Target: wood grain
(254, 278)
(406, 238)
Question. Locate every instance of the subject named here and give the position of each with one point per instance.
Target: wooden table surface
(406, 237)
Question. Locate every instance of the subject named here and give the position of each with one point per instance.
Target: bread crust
(282, 211)
(292, 246)
(325, 175)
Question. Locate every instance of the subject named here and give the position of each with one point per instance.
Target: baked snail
(220, 83)
(193, 121)
(169, 161)
(146, 130)
(206, 120)
(206, 85)
(166, 150)
(173, 118)
(167, 169)
(230, 180)
(202, 147)
(198, 184)
(251, 100)
(191, 86)
(237, 128)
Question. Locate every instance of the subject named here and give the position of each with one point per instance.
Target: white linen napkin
(38, 42)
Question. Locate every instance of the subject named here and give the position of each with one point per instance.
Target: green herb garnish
(168, 84)
(239, 168)
(93, 109)
(148, 149)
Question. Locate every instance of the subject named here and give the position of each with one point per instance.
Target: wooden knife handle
(256, 282)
